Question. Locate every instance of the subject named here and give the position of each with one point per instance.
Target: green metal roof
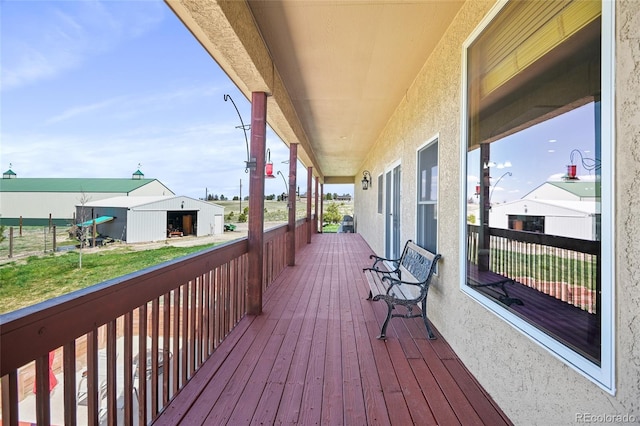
(72, 185)
(578, 188)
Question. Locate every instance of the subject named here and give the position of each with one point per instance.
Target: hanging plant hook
(251, 162)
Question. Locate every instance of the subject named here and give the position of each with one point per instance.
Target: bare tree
(82, 229)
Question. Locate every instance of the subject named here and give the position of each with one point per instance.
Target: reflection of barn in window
(526, 223)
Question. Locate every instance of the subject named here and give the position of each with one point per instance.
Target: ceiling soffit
(336, 70)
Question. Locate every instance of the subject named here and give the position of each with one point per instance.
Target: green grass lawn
(42, 278)
(330, 228)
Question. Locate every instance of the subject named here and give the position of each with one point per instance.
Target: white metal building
(573, 219)
(152, 218)
(36, 201)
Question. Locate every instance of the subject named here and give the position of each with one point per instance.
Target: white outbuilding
(152, 218)
(567, 209)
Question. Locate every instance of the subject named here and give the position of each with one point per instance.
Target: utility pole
(240, 196)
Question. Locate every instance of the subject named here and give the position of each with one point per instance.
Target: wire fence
(20, 242)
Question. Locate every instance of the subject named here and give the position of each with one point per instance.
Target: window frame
(603, 375)
(431, 141)
(380, 193)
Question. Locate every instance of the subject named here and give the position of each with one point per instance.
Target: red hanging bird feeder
(268, 170)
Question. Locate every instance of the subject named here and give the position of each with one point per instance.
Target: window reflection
(539, 230)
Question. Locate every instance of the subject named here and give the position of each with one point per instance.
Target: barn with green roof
(36, 201)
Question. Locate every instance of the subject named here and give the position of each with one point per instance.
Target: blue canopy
(99, 220)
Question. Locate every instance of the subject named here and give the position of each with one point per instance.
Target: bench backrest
(417, 264)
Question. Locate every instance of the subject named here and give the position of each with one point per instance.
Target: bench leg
(370, 295)
(424, 318)
(383, 331)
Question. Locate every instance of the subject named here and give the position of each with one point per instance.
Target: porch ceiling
(336, 70)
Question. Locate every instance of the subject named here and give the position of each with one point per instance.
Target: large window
(427, 217)
(534, 176)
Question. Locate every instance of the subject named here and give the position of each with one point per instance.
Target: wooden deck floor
(312, 357)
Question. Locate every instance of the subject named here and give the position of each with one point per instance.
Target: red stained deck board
(419, 409)
(374, 405)
(190, 395)
(354, 404)
(449, 387)
(478, 398)
(267, 407)
(313, 357)
(225, 387)
(289, 409)
(242, 414)
(314, 380)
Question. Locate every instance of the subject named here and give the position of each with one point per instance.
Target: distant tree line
(281, 197)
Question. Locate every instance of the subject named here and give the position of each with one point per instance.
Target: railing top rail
(567, 243)
(273, 233)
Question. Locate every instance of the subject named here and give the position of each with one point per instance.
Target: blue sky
(94, 88)
(536, 155)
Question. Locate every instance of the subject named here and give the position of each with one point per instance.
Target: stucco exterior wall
(530, 384)
(627, 199)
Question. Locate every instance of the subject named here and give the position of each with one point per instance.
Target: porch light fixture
(268, 168)
(251, 163)
(366, 182)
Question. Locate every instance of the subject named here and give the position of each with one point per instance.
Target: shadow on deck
(312, 358)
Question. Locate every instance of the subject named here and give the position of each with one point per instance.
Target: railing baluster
(142, 365)
(43, 400)
(175, 368)
(185, 333)
(69, 369)
(166, 357)
(192, 327)
(92, 378)
(155, 320)
(10, 403)
(128, 368)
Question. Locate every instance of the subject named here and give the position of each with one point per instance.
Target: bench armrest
(379, 259)
(395, 281)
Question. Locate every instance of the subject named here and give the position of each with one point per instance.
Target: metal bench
(403, 281)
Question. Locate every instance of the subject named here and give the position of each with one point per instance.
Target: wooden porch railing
(126, 346)
(563, 267)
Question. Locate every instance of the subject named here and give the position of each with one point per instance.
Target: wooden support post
(11, 242)
(55, 241)
(485, 206)
(321, 218)
(256, 202)
(315, 208)
(309, 180)
(292, 201)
